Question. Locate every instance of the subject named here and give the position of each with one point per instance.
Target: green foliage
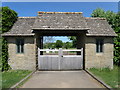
(116, 27)
(98, 13)
(5, 65)
(8, 19)
(74, 41)
(67, 45)
(114, 20)
(110, 16)
(58, 44)
(49, 45)
(53, 45)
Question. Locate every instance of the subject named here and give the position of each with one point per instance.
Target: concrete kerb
(100, 81)
(14, 86)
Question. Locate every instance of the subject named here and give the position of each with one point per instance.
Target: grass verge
(21, 84)
(11, 77)
(110, 77)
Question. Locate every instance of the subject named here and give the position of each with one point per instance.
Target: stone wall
(26, 60)
(98, 60)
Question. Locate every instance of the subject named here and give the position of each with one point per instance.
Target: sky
(31, 8)
(60, 0)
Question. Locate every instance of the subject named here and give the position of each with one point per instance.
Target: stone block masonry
(26, 60)
(99, 60)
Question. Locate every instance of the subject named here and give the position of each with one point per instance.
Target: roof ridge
(40, 12)
(95, 18)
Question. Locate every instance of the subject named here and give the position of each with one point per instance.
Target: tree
(8, 18)
(59, 44)
(47, 40)
(98, 13)
(110, 16)
(74, 41)
(114, 20)
(67, 45)
(116, 27)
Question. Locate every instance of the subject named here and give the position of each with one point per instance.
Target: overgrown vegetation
(5, 65)
(110, 77)
(114, 20)
(8, 19)
(11, 77)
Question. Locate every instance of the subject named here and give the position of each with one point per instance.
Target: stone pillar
(37, 46)
(80, 41)
(81, 44)
(41, 44)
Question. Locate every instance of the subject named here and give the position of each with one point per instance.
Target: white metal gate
(60, 61)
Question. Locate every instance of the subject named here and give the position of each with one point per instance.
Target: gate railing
(60, 61)
(60, 51)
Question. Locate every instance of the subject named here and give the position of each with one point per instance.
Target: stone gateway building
(94, 35)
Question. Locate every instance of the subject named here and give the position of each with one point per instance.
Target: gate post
(60, 53)
(82, 54)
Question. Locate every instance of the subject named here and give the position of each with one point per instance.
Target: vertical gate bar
(60, 53)
(38, 58)
(82, 57)
(38, 52)
(82, 53)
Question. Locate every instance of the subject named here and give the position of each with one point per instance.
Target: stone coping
(41, 12)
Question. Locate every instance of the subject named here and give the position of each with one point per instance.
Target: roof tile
(61, 21)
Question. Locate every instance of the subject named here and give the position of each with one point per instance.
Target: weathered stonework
(26, 60)
(98, 60)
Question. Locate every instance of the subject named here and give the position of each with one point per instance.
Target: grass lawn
(11, 77)
(110, 77)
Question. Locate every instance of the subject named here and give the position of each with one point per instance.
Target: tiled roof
(61, 21)
(99, 27)
(22, 26)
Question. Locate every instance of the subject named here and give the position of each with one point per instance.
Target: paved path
(61, 79)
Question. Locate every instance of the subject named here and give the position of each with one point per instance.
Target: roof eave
(57, 29)
(6, 35)
(60, 28)
(104, 35)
